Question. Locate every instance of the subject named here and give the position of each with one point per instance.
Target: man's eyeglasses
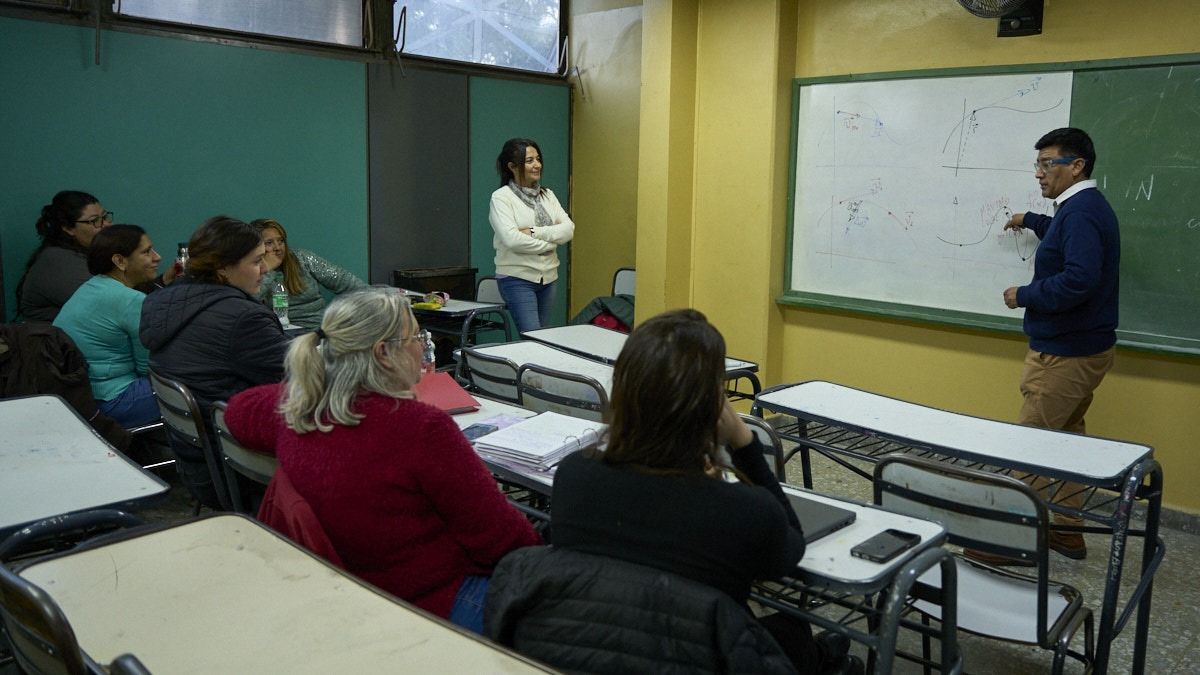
(97, 221)
(1045, 163)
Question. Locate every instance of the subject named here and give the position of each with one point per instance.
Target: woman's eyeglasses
(100, 220)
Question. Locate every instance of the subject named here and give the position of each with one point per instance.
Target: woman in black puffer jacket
(209, 331)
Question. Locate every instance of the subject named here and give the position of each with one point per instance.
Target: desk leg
(1116, 560)
(1149, 565)
(897, 598)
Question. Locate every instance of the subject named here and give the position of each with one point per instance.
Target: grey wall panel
(419, 130)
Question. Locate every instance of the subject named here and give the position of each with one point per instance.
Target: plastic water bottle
(429, 362)
(279, 300)
(181, 258)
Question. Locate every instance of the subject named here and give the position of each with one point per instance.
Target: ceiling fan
(1017, 17)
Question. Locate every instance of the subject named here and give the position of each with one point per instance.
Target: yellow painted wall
(606, 46)
(1146, 398)
(711, 215)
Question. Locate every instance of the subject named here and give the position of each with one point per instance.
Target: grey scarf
(530, 196)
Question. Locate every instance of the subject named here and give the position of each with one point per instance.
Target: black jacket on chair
(38, 358)
(584, 613)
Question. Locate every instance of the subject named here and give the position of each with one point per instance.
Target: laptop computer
(818, 519)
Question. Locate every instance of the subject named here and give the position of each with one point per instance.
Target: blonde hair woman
(302, 273)
(405, 501)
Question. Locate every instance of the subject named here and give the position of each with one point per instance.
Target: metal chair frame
(181, 413)
(489, 375)
(238, 460)
(992, 513)
(535, 395)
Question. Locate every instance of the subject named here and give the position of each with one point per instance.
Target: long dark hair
(293, 280)
(59, 214)
(514, 152)
(112, 240)
(218, 242)
(667, 394)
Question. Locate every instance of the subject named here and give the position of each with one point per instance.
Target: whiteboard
(903, 187)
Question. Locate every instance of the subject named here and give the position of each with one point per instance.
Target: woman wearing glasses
(529, 224)
(405, 501)
(59, 265)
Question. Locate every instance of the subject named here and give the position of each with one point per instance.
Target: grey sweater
(51, 281)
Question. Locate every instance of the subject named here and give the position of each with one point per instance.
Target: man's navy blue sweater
(1071, 304)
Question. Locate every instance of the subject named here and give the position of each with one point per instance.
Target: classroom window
(331, 21)
(521, 34)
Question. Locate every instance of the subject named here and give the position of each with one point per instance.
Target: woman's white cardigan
(531, 258)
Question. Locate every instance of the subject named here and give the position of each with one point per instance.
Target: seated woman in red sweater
(407, 504)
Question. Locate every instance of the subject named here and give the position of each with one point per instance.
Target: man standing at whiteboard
(1071, 304)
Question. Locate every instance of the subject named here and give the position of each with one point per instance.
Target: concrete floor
(1175, 624)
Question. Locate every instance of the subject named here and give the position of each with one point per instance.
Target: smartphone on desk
(476, 430)
(886, 545)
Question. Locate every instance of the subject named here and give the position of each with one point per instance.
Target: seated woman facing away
(656, 496)
(210, 332)
(302, 274)
(59, 265)
(407, 504)
(103, 316)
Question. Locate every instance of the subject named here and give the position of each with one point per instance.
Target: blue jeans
(134, 406)
(468, 604)
(528, 302)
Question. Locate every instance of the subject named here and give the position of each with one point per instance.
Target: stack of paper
(541, 442)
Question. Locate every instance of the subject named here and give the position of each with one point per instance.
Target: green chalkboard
(1145, 122)
(1143, 114)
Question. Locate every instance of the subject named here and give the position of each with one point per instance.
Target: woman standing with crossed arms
(529, 224)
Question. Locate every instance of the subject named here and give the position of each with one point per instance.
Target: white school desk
(842, 421)
(602, 344)
(54, 463)
(531, 352)
(224, 594)
(458, 318)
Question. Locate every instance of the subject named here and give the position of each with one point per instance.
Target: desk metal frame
(464, 319)
(1142, 479)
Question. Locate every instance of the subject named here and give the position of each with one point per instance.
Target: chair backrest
(181, 415)
(41, 639)
(63, 532)
(237, 459)
(624, 281)
(545, 389)
(772, 444)
(568, 609)
(488, 290)
(492, 376)
(980, 510)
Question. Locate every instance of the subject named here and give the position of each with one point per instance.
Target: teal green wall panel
(504, 109)
(167, 132)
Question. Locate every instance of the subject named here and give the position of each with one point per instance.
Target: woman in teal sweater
(103, 316)
(302, 274)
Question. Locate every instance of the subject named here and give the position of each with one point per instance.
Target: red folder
(442, 391)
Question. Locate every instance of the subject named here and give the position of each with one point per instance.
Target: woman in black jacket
(59, 265)
(209, 331)
(658, 497)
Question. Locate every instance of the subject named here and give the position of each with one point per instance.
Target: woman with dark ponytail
(59, 265)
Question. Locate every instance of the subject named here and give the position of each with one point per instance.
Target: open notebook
(542, 441)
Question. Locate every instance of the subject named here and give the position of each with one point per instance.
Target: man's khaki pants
(1058, 391)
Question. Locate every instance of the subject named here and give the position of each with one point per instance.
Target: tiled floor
(1174, 640)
